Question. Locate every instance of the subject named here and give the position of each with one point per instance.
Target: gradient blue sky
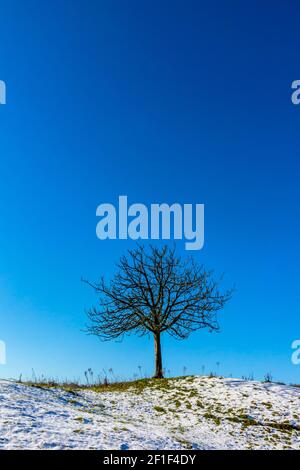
(165, 102)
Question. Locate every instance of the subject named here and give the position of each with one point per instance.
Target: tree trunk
(158, 359)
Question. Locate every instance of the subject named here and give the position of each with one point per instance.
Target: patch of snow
(191, 412)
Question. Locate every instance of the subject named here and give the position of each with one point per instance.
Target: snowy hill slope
(191, 412)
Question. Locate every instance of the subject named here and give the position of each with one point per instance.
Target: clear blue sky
(165, 102)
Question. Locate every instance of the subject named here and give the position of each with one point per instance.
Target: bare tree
(154, 291)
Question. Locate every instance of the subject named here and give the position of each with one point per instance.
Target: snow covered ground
(191, 412)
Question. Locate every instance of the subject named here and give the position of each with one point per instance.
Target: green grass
(159, 409)
(80, 419)
(267, 404)
(212, 417)
(123, 386)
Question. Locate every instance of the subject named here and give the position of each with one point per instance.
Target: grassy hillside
(186, 412)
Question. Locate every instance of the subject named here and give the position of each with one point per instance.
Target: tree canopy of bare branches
(155, 291)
